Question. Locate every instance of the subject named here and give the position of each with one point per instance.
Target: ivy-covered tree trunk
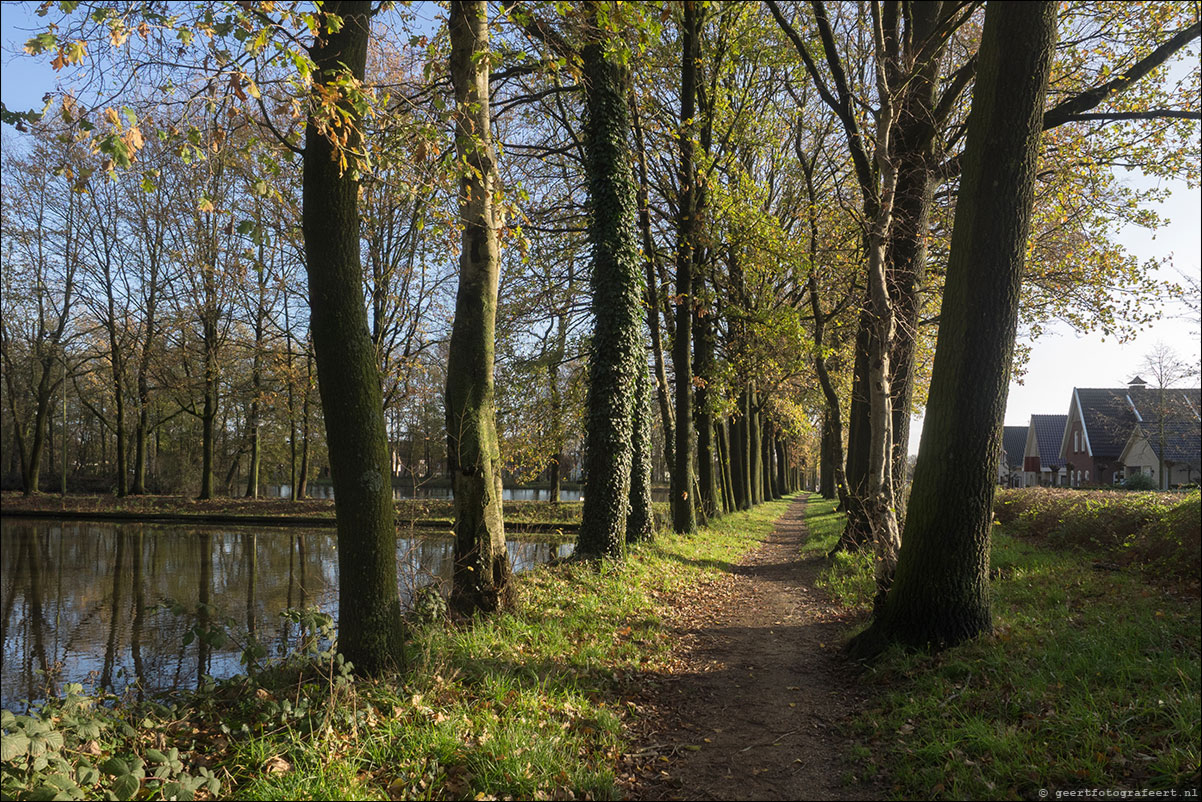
(369, 618)
(940, 592)
(640, 523)
(684, 517)
(481, 573)
(616, 357)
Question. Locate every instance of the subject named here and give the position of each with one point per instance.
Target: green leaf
(126, 786)
(155, 756)
(87, 775)
(13, 746)
(46, 792)
(54, 739)
(114, 766)
(65, 783)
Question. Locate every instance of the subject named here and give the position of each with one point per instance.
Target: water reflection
(83, 602)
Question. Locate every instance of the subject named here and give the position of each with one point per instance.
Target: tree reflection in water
(97, 609)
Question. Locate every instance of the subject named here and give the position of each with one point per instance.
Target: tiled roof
(1177, 404)
(1108, 417)
(1048, 431)
(1182, 441)
(1112, 413)
(1014, 443)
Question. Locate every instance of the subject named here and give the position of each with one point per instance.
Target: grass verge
(528, 704)
(1090, 680)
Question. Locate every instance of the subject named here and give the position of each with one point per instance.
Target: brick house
(1100, 422)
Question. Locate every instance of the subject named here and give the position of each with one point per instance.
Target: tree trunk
(755, 457)
(781, 487)
(208, 418)
(652, 298)
(617, 355)
(722, 440)
(640, 523)
(684, 517)
(32, 479)
(481, 573)
(906, 253)
(826, 482)
(703, 417)
(369, 626)
(940, 593)
(302, 479)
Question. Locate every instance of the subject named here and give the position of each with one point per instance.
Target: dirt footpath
(759, 703)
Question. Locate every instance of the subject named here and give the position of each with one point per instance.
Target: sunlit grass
(528, 704)
(1090, 679)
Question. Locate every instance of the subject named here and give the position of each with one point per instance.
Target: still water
(400, 492)
(81, 601)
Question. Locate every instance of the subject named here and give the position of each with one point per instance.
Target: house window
(1087, 476)
(1076, 441)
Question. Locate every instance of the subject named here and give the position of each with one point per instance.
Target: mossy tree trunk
(617, 355)
(369, 625)
(481, 572)
(940, 592)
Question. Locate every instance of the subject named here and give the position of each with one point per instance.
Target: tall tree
(940, 592)
(481, 573)
(369, 621)
(684, 515)
(616, 357)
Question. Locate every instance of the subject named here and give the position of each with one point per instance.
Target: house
(1041, 454)
(1010, 469)
(1179, 442)
(1101, 422)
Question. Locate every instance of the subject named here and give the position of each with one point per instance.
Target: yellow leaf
(112, 116)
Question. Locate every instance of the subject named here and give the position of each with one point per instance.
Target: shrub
(1141, 481)
(1159, 531)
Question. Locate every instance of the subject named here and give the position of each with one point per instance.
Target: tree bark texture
(684, 517)
(617, 355)
(940, 592)
(640, 523)
(906, 252)
(369, 626)
(481, 572)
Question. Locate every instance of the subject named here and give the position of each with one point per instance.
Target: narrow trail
(760, 705)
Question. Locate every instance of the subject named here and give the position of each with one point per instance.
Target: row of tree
(751, 194)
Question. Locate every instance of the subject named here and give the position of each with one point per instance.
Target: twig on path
(774, 743)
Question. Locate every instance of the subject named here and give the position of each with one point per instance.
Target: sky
(1060, 360)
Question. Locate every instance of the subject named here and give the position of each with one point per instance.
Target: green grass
(848, 577)
(527, 704)
(1090, 679)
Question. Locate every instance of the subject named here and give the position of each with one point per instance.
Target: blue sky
(1060, 360)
